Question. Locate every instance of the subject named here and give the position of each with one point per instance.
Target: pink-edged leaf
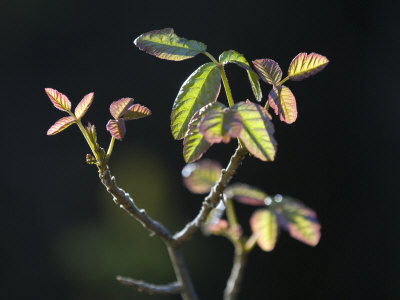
(305, 65)
(59, 100)
(136, 111)
(60, 125)
(120, 107)
(247, 194)
(265, 227)
(201, 176)
(268, 70)
(283, 102)
(300, 221)
(116, 128)
(83, 106)
(220, 125)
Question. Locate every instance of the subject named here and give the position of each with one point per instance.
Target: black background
(62, 237)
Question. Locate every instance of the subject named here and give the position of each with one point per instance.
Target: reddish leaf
(305, 65)
(283, 102)
(116, 128)
(60, 125)
(120, 107)
(247, 194)
(83, 106)
(59, 100)
(201, 176)
(268, 70)
(136, 111)
(264, 225)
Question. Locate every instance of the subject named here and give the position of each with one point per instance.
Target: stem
(266, 105)
(110, 148)
(230, 212)
(283, 81)
(141, 286)
(235, 279)
(250, 243)
(226, 86)
(211, 57)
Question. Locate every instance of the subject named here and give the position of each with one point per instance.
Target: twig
(213, 197)
(141, 286)
(235, 279)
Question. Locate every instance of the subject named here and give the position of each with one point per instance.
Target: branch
(235, 279)
(141, 286)
(213, 197)
(123, 199)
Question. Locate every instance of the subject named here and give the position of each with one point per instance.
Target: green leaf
(91, 130)
(60, 101)
(232, 56)
(201, 176)
(258, 130)
(247, 194)
(201, 88)
(60, 125)
(120, 107)
(268, 70)
(165, 44)
(300, 221)
(83, 106)
(220, 125)
(194, 144)
(305, 65)
(283, 102)
(136, 111)
(264, 225)
(116, 128)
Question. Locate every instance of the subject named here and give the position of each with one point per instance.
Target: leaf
(264, 225)
(60, 125)
(201, 176)
(59, 100)
(213, 223)
(300, 221)
(283, 102)
(220, 125)
(136, 111)
(165, 44)
(305, 65)
(268, 70)
(83, 106)
(116, 128)
(232, 56)
(258, 130)
(195, 144)
(91, 130)
(247, 194)
(120, 107)
(201, 88)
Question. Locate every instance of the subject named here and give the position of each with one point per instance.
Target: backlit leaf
(60, 125)
(91, 130)
(194, 144)
(300, 221)
(116, 128)
(165, 44)
(201, 176)
(214, 224)
(258, 130)
(264, 225)
(232, 56)
(201, 88)
(120, 107)
(268, 70)
(305, 65)
(247, 194)
(220, 125)
(136, 111)
(283, 102)
(59, 100)
(83, 106)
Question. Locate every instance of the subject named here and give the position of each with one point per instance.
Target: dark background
(63, 238)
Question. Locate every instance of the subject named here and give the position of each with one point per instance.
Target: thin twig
(141, 286)
(235, 279)
(213, 197)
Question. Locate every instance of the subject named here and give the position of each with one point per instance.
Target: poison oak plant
(201, 120)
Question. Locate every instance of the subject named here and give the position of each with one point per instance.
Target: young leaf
(91, 130)
(268, 70)
(213, 223)
(136, 111)
(283, 102)
(300, 221)
(202, 87)
(264, 225)
(165, 44)
(232, 56)
(305, 65)
(258, 130)
(60, 125)
(83, 106)
(194, 144)
(59, 100)
(120, 107)
(200, 177)
(247, 194)
(220, 125)
(116, 128)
